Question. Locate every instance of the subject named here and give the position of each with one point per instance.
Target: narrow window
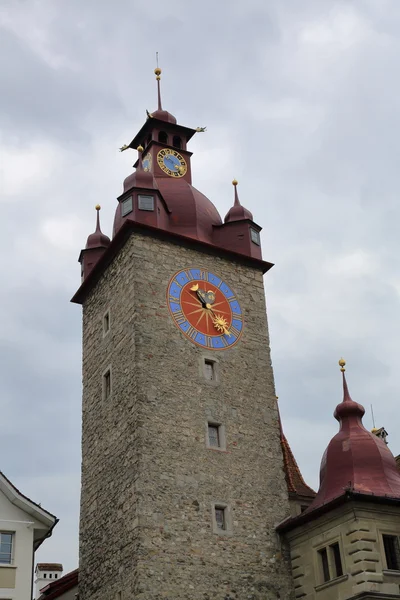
(220, 518)
(146, 202)
(50, 576)
(336, 559)
(162, 137)
(55, 576)
(126, 206)
(209, 370)
(213, 436)
(107, 384)
(255, 236)
(6, 541)
(44, 576)
(323, 554)
(392, 552)
(106, 322)
(177, 142)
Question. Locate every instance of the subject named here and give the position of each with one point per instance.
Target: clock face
(205, 309)
(147, 162)
(171, 162)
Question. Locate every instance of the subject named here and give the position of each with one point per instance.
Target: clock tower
(182, 470)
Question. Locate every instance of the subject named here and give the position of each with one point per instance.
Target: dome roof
(97, 239)
(164, 115)
(192, 213)
(237, 212)
(355, 458)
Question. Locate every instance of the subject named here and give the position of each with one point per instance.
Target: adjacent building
(24, 525)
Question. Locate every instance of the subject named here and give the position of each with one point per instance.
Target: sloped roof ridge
(295, 482)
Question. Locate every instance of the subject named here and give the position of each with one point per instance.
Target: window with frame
(330, 562)
(209, 370)
(107, 384)
(126, 206)
(220, 517)
(6, 547)
(255, 236)
(146, 202)
(214, 436)
(391, 544)
(106, 322)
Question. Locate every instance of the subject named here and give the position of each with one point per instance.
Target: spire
(157, 72)
(237, 212)
(161, 114)
(348, 407)
(97, 239)
(355, 459)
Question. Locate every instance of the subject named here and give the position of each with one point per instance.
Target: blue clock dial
(171, 162)
(147, 162)
(205, 308)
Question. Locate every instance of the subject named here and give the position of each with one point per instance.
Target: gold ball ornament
(342, 364)
(234, 182)
(140, 148)
(97, 207)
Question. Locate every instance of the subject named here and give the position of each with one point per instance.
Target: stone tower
(182, 470)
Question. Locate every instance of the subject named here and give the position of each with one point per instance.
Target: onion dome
(192, 213)
(161, 114)
(237, 212)
(141, 178)
(355, 460)
(97, 239)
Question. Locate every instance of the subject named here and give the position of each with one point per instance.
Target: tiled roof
(294, 479)
(57, 588)
(49, 567)
(397, 459)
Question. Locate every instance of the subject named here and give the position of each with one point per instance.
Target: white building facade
(24, 525)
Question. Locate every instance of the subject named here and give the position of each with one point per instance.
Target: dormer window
(163, 137)
(126, 206)
(177, 142)
(146, 202)
(255, 236)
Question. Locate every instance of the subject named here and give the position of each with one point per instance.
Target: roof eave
(130, 225)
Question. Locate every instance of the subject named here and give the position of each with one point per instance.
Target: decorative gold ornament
(342, 364)
(124, 147)
(97, 207)
(234, 182)
(220, 324)
(140, 148)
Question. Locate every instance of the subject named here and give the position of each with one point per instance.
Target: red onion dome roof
(237, 212)
(98, 239)
(192, 213)
(355, 458)
(164, 115)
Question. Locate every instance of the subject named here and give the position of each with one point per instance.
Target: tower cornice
(130, 226)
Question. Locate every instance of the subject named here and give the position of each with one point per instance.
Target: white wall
(22, 524)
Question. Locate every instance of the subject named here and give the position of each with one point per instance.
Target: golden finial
(234, 182)
(97, 207)
(140, 148)
(157, 72)
(342, 364)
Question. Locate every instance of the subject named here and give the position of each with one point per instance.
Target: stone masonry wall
(148, 479)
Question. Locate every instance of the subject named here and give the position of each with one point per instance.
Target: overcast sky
(301, 104)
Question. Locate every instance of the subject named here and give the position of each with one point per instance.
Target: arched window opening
(177, 142)
(162, 137)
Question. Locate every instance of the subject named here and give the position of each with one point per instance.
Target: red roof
(356, 459)
(294, 479)
(57, 588)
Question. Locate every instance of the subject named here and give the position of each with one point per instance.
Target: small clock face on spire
(171, 162)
